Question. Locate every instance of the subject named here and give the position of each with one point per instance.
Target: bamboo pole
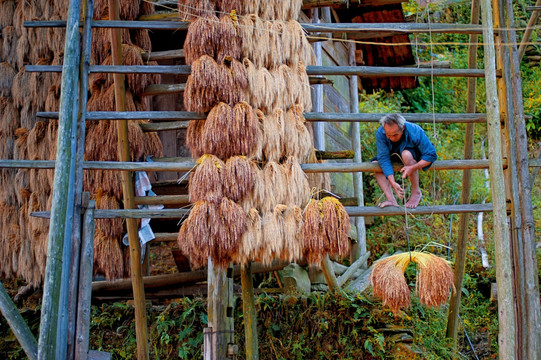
(532, 327)
(528, 33)
(18, 325)
(354, 267)
(359, 248)
(249, 313)
(506, 334)
(128, 191)
(364, 71)
(50, 345)
(462, 238)
(74, 246)
(85, 284)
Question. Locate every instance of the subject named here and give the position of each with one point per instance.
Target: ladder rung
(351, 210)
(309, 116)
(400, 28)
(364, 71)
(182, 166)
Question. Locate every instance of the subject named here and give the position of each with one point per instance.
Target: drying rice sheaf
(313, 233)
(20, 91)
(215, 138)
(298, 190)
(238, 178)
(228, 41)
(292, 233)
(275, 186)
(7, 73)
(201, 38)
(434, 282)
(34, 140)
(101, 44)
(298, 141)
(20, 152)
(108, 256)
(194, 134)
(52, 102)
(141, 39)
(9, 45)
(111, 228)
(192, 9)
(8, 112)
(230, 229)
(194, 238)
(273, 134)
(251, 244)
(245, 131)
(23, 185)
(272, 237)
(256, 197)
(336, 224)
(129, 10)
(206, 182)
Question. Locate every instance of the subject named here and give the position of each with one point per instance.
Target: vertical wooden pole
(219, 331)
(62, 202)
(75, 246)
(462, 239)
(317, 92)
(18, 325)
(249, 314)
(85, 284)
(128, 190)
(506, 335)
(359, 248)
(528, 32)
(532, 335)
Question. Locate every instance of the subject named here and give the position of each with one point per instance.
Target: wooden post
(506, 335)
(18, 325)
(359, 247)
(249, 313)
(462, 238)
(528, 31)
(141, 331)
(317, 92)
(62, 202)
(532, 333)
(219, 332)
(82, 331)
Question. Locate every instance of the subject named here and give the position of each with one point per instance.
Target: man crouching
(401, 141)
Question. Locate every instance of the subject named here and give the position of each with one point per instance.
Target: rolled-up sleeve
(383, 153)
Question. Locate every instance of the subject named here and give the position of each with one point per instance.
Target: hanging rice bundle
(245, 131)
(305, 143)
(195, 238)
(9, 46)
(206, 182)
(275, 186)
(204, 84)
(108, 257)
(275, 56)
(292, 233)
(227, 6)
(141, 38)
(228, 232)
(307, 54)
(238, 178)
(434, 282)
(298, 189)
(264, 91)
(240, 81)
(193, 137)
(101, 45)
(435, 279)
(190, 10)
(20, 91)
(305, 96)
(52, 102)
(152, 144)
(256, 197)
(8, 112)
(272, 237)
(246, 33)
(261, 46)
(201, 38)
(273, 133)
(251, 243)
(111, 228)
(216, 134)
(228, 41)
(251, 76)
(260, 144)
(266, 9)
(36, 150)
(293, 41)
(7, 73)
(20, 150)
(292, 85)
(295, 7)
(94, 139)
(313, 233)
(129, 10)
(135, 140)
(336, 225)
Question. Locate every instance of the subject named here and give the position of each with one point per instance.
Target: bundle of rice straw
(111, 228)
(193, 137)
(298, 141)
(251, 243)
(275, 56)
(194, 238)
(260, 44)
(434, 282)
(189, 10)
(238, 178)
(101, 44)
(229, 231)
(244, 130)
(272, 237)
(228, 42)
(227, 6)
(129, 10)
(255, 197)
(292, 233)
(206, 182)
(273, 133)
(201, 38)
(326, 227)
(305, 96)
(298, 190)
(275, 186)
(215, 137)
(108, 256)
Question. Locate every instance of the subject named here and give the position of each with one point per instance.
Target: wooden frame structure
(67, 288)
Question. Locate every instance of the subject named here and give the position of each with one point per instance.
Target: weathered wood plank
(249, 313)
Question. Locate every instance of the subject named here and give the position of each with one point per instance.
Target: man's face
(393, 132)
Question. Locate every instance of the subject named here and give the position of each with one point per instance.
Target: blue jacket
(414, 138)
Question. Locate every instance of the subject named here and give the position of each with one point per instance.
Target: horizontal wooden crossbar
(363, 71)
(351, 210)
(183, 166)
(309, 116)
(405, 28)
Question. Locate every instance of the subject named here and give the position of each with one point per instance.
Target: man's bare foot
(387, 203)
(414, 200)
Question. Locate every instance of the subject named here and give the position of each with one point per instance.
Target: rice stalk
(201, 38)
(266, 9)
(336, 225)
(292, 227)
(52, 102)
(305, 97)
(261, 41)
(246, 33)
(194, 136)
(229, 232)
(238, 178)
(275, 56)
(7, 73)
(256, 197)
(307, 54)
(388, 282)
(244, 130)
(228, 41)
(190, 10)
(240, 81)
(261, 142)
(129, 10)
(298, 189)
(36, 150)
(215, 137)
(271, 236)
(313, 233)
(275, 186)
(206, 182)
(318, 181)
(273, 133)
(251, 243)
(295, 7)
(111, 228)
(152, 145)
(435, 279)
(293, 41)
(108, 257)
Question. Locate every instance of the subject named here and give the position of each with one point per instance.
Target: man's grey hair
(393, 119)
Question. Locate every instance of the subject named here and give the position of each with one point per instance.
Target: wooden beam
(529, 29)
(507, 321)
(163, 55)
(159, 89)
(128, 190)
(462, 238)
(249, 313)
(18, 325)
(352, 268)
(364, 71)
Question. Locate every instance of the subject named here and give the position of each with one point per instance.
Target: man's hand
(407, 170)
(397, 188)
